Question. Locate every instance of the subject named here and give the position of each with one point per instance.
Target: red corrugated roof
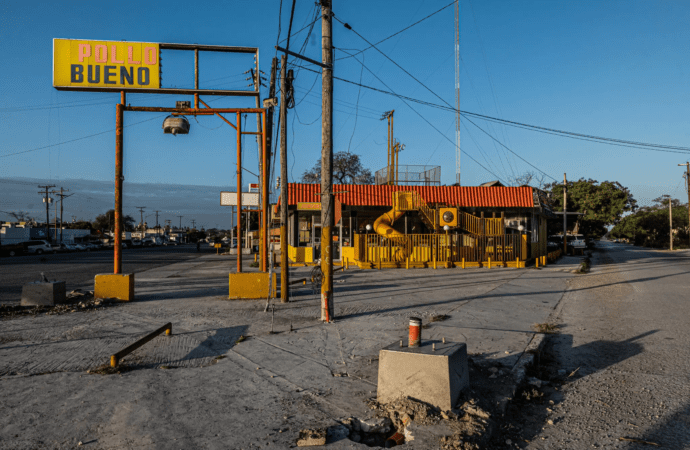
(461, 196)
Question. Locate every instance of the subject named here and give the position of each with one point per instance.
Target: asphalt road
(623, 355)
(78, 269)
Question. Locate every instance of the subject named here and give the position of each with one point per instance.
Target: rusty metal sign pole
(119, 116)
(239, 192)
(119, 178)
(264, 198)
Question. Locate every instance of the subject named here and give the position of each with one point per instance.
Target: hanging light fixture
(176, 125)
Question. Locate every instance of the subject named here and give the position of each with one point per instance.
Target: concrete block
(110, 285)
(43, 293)
(250, 285)
(435, 377)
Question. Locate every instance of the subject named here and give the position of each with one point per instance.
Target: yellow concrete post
(536, 262)
(407, 262)
(489, 262)
(463, 263)
(434, 261)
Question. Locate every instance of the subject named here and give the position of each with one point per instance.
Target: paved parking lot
(78, 269)
(204, 387)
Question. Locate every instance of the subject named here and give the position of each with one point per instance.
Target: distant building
(16, 233)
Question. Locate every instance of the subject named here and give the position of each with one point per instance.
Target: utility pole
(62, 196)
(457, 93)
(256, 75)
(180, 221)
(269, 147)
(141, 224)
(157, 229)
(670, 223)
(565, 216)
(47, 202)
(284, 273)
(687, 186)
(327, 309)
(193, 223)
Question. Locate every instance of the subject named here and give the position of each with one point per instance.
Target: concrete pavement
(623, 337)
(204, 388)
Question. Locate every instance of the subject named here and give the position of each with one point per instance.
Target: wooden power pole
(565, 216)
(62, 196)
(670, 223)
(327, 310)
(687, 186)
(284, 280)
(47, 202)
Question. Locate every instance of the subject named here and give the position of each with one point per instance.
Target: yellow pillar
(489, 262)
(463, 263)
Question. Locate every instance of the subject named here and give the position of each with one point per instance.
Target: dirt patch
(76, 301)
(534, 402)
(393, 421)
(107, 369)
(546, 328)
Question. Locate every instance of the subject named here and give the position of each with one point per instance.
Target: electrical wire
(428, 122)
(397, 33)
(409, 74)
(545, 130)
(359, 90)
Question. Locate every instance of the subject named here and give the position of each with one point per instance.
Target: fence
(442, 248)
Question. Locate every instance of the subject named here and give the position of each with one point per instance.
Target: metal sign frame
(248, 198)
(196, 91)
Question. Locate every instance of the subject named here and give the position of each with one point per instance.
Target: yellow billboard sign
(105, 64)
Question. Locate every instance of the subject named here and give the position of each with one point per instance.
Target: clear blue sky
(610, 68)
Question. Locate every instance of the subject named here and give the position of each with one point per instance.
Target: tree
(347, 169)
(80, 225)
(107, 222)
(602, 204)
(649, 226)
(21, 216)
(530, 178)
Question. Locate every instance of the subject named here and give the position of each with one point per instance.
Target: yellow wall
(349, 253)
(301, 254)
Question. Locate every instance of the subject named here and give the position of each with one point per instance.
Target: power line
(425, 119)
(561, 133)
(397, 33)
(389, 59)
(457, 144)
(77, 139)
(523, 159)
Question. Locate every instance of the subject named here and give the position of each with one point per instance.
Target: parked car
(71, 247)
(12, 250)
(80, 247)
(127, 243)
(577, 241)
(148, 242)
(60, 248)
(37, 247)
(136, 243)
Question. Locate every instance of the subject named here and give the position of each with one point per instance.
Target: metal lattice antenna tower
(457, 92)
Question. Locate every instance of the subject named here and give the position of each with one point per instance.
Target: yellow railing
(427, 248)
(412, 201)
